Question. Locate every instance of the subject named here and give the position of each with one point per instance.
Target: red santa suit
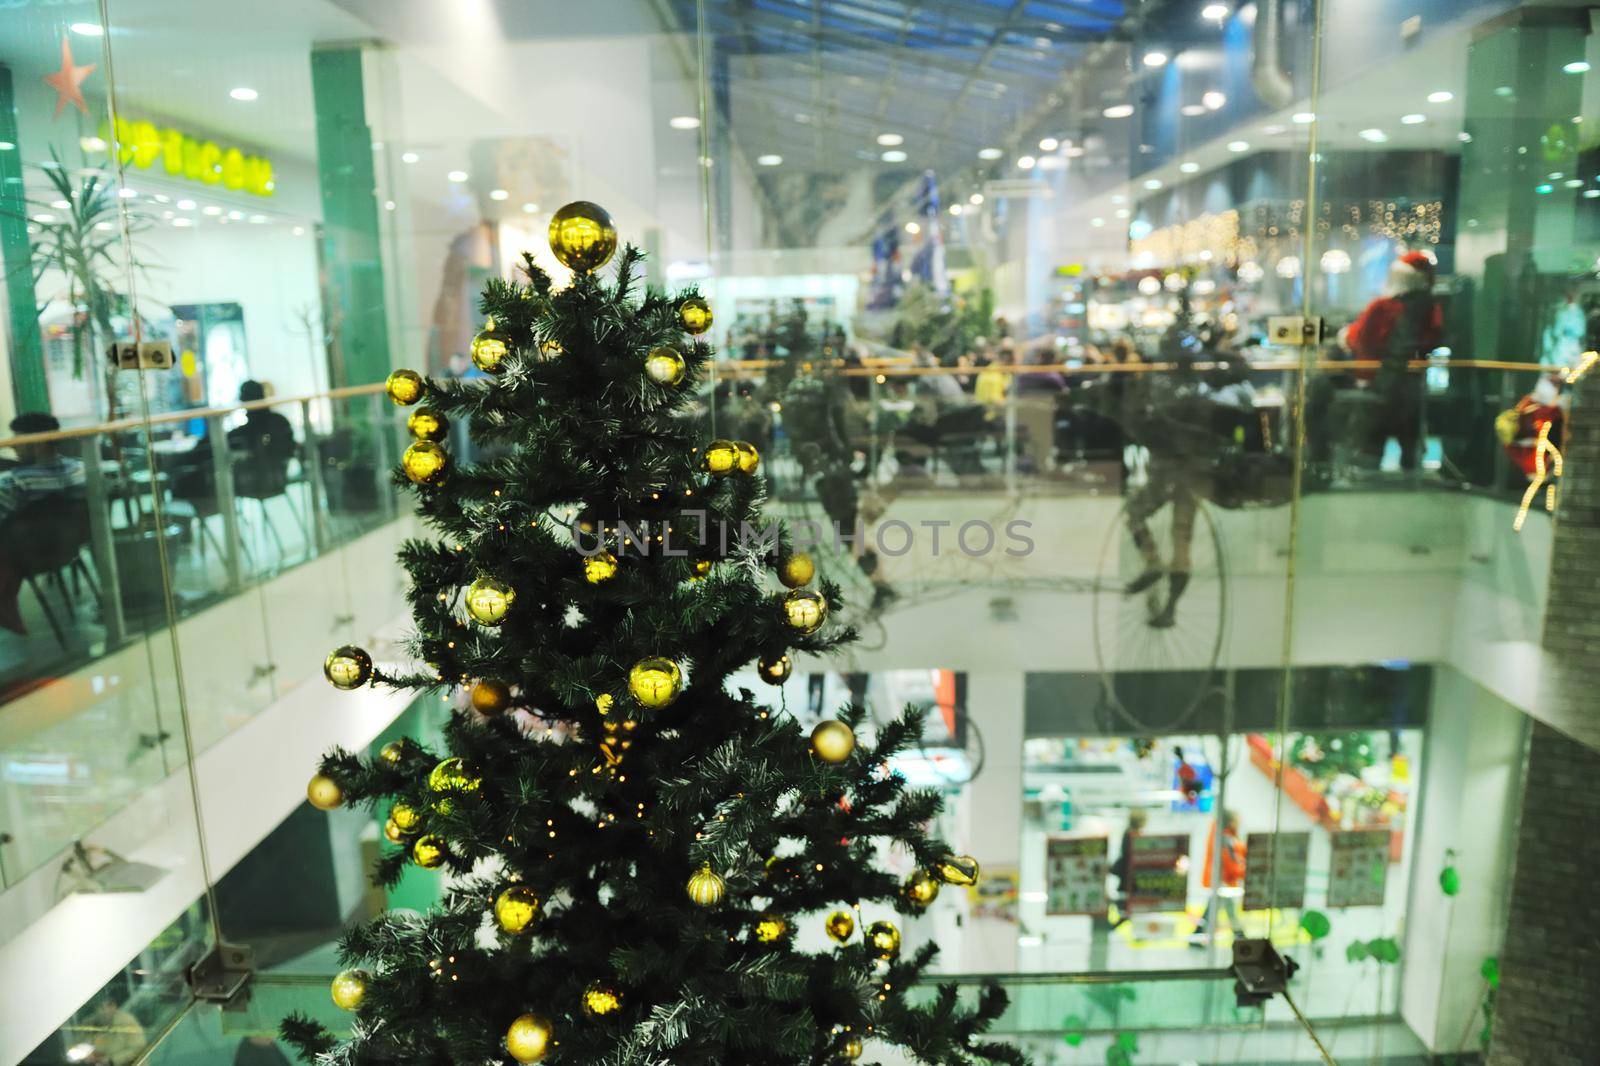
(1544, 406)
(1407, 324)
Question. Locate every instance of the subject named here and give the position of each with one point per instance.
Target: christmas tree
(632, 844)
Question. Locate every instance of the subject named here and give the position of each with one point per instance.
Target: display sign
(1359, 868)
(1160, 877)
(996, 893)
(142, 144)
(1075, 875)
(1275, 870)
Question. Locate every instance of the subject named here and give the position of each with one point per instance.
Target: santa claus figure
(1405, 324)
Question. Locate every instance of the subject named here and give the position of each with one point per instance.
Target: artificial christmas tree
(632, 845)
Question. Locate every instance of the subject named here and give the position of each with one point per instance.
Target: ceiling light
(1373, 136)
(259, 219)
(1048, 144)
(955, 209)
(1272, 130)
(182, 222)
(1097, 222)
(185, 205)
(1238, 146)
(1441, 97)
(499, 194)
(1156, 59)
(388, 205)
(299, 231)
(893, 155)
(1026, 162)
(44, 216)
(104, 227)
(890, 140)
(1574, 183)
(61, 205)
(1544, 189)
(1214, 100)
(211, 209)
(684, 122)
(769, 160)
(990, 153)
(88, 29)
(237, 216)
(1192, 110)
(913, 229)
(975, 199)
(1577, 67)
(457, 176)
(1153, 184)
(1118, 111)
(1190, 167)
(1303, 118)
(1214, 12)
(127, 194)
(1591, 194)
(244, 93)
(1413, 119)
(530, 208)
(1122, 212)
(409, 157)
(92, 144)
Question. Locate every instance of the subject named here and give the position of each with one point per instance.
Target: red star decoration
(68, 81)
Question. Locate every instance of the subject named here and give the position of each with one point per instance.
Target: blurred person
(265, 434)
(1122, 869)
(41, 472)
(1406, 324)
(990, 386)
(1233, 853)
(117, 1038)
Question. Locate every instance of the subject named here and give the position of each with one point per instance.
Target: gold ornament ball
(774, 670)
(427, 424)
(392, 753)
(699, 569)
(600, 567)
(655, 682)
(603, 702)
(529, 1038)
(797, 570)
(722, 457)
(746, 456)
(490, 697)
(850, 1048)
(516, 908)
(884, 939)
(349, 988)
(706, 888)
(601, 999)
(489, 600)
(452, 775)
(425, 462)
(694, 314)
(582, 236)
(841, 926)
(347, 668)
(833, 741)
(771, 928)
(392, 832)
(805, 610)
(921, 889)
(490, 348)
(405, 816)
(664, 365)
(324, 793)
(405, 387)
(428, 852)
(958, 870)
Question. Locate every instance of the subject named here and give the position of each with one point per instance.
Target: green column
(28, 386)
(351, 250)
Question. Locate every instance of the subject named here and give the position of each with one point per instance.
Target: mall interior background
(1375, 656)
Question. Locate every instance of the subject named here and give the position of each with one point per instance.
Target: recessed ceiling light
(1441, 97)
(1303, 118)
(127, 194)
(1374, 136)
(1118, 111)
(684, 122)
(955, 209)
(44, 216)
(1591, 194)
(1577, 67)
(243, 92)
(182, 222)
(890, 140)
(1156, 59)
(990, 153)
(893, 155)
(1122, 212)
(1413, 119)
(1192, 110)
(1026, 162)
(1048, 144)
(1153, 184)
(237, 216)
(457, 176)
(185, 205)
(409, 157)
(1574, 183)
(1097, 222)
(975, 199)
(1214, 12)
(1190, 167)
(88, 29)
(211, 209)
(770, 160)
(530, 208)
(61, 205)
(913, 229)
(1214, 100)
(388, 205)
(499, 194)
(1238, 146)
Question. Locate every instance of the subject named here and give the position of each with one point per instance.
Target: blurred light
(530, 208)
(1591, 194)
(1156, 59)
(1118, 111)
(243, 93)
(1048, 144)
(1214, 100)
(1153, 184)
(85, 1051)
(237, 216)
(182, 223)
(44, 217)
(1303, 118)
(1190, 167)
(127, 194)
(1150, 285)
(1097, 222)
(955, 209)
(388, 205)
(457, 176)
(1118, 198)
(1122, 212)
(1577, 67)
(1174, 282)
(990, 153)
(1441, 97)
(185, 205)
(1464, 137)
(1273, 130)
(1192, 110)
(1205, 287)
(92, 144)
(890, 140)
(61, 205)
(913, 229)
(499, 194)
(1374, 136)
(259, 219)
(1288, 267)
(1214, 12)
(6, 146)
(1413, 119)
(893, 155)
(769, 160)
(684, 122)
(1542, 190)
(211, 209)
(1074, 151)
(1336, 261)
(975, 199)
(1251, 272)
(299, 231)
(1238, 146)
(1026, 162)
(1574, 183)
(409, 157)
(88, 29)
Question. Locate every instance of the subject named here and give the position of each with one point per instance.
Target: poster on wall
(1075, 875)
(996, 893)
(1160, 877)
(1275, 870)
(1359, 868)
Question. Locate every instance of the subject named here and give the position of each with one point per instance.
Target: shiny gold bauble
(833, 741)
(489, 600)
(349, 988)
(774, 670)
(921, 889)
(805, 610)
(884, 939)
(796, 570)
(529, 1038)
(405, 387)
(392, 753)
(405, 816)
(393, 833)
(599, 567)
(348, 667)
(490, 349)
(428, 852)
(425, 462)
(427, 424)
(516, 908)
(958, 870)
(699, 569)
(324, 792)
(603, 702)
(655, 682)
(664, 365)
(582, 236)
(706, 888)
(748, 457)
(841, 926)
(601, 999)
(722, 457)
(771, 928)
(452, 775)
(694, 314)
(490, 696)
(850, 1049)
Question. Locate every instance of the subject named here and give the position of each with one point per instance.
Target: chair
(46, 538)
(260, 476)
